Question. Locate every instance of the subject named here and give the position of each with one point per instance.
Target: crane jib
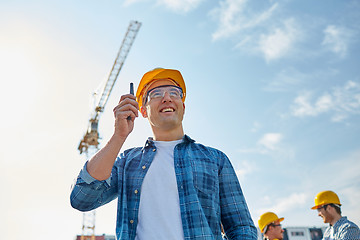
(91, 137)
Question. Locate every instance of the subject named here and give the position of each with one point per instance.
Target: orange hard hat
(156, 74)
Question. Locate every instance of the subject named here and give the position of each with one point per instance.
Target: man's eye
(156, 94)
(174, 93)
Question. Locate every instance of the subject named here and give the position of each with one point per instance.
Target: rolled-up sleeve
(88, 193)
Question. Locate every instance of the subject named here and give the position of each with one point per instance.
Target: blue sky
(273, 84)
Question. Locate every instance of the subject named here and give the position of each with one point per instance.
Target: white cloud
(285, 204)
(180, 5)
(271, 144)
(245, 169)
(175, 5)
(270, 141)
(341, 102)
(129, 2)
(286, 80)
(229, 16)
(256, 127)
(233, 16)
(256, 31)
(324, 103)
(280, 42)
(245, 41)
(337, 39)
(303, 106)
(290, 79)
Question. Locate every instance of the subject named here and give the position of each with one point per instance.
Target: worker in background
(269, 224)
(172, 187)
(327, 203)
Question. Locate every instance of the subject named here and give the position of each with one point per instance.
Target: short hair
(268, 226)
(337, 208)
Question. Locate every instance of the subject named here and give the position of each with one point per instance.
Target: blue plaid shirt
(343, 229)
(209, 192)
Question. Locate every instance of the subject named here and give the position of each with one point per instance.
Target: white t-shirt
(159, 211)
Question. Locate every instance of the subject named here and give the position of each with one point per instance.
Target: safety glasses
(174, 92)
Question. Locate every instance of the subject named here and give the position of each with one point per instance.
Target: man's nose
(166, 97)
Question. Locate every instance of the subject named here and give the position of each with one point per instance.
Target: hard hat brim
(319, 206)
(316, 207)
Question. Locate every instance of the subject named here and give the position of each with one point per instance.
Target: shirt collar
(150, 141)
(340, 221)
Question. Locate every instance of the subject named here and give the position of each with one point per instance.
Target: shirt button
(136, 191)
(154, 149)
(131, 221)
(144, 167)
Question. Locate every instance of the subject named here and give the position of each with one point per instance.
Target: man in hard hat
(327, 203)
(269, 224)
(172, 188)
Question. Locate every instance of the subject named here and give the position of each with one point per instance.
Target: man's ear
(143, 111)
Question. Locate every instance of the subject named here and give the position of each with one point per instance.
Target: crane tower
(90, 142)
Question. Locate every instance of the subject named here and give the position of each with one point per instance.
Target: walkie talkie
(131, 92)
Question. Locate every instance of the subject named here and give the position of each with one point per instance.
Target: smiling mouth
(168, 110)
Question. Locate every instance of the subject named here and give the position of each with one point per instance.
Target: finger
(135, 109)
(123, 106)
(131, 115)
(124, 101)
(130, 96)
(125, 111)
(127, 104)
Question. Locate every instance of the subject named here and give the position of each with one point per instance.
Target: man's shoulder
(347, 225)
(133, 150)
(200, 146)
(205, 152)
(344, 221)
(129, 154)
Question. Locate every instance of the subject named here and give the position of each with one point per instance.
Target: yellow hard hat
(326, 197)
(266, 219)
(155, 74)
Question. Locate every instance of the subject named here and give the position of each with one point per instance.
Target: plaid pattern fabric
(209, 192)
(343, 229)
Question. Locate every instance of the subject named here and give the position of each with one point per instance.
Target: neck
(335, 219)
(271, 237)
(168, 135)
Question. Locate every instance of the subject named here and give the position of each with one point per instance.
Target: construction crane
(90, 141)
(91, 137)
